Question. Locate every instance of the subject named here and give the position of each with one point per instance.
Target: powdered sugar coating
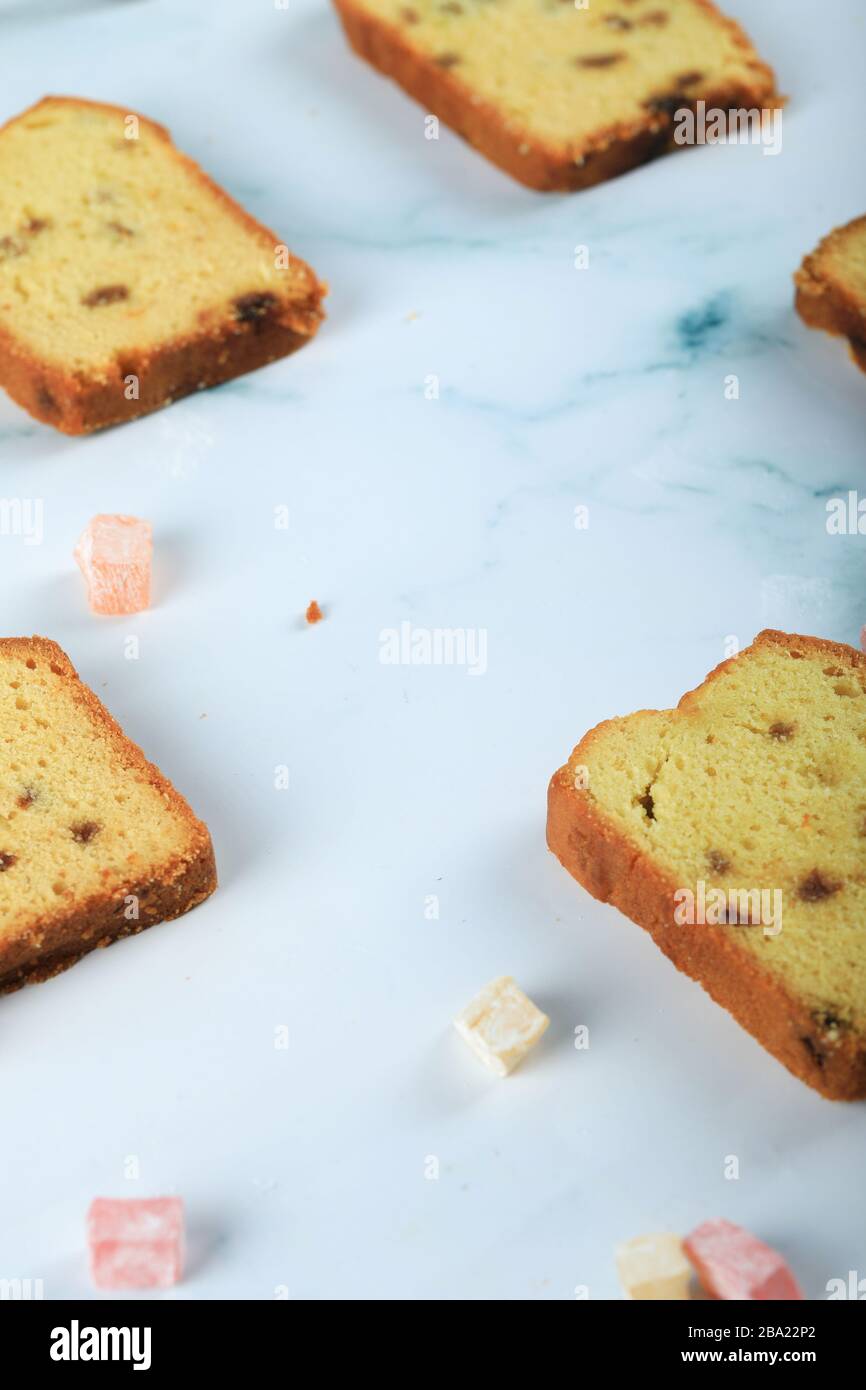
(135, 1243)
(114, 555)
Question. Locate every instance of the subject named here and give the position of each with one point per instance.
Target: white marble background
(304, 1167)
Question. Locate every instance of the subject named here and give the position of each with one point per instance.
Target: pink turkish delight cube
(732, 1264)
(114, 555)
(135, 1243)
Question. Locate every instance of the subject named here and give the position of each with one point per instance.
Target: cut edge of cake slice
(616, 869)
(616, 147)
(254, 330)
(43, 944)
(824, 299)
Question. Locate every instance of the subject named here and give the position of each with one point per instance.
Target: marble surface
(306, 1168)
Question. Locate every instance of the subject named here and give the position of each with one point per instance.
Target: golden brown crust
(44, 948)
(616, 871)
(824, 301)
(75, 404)
(101, 921)
(75, 407)
(532, 162)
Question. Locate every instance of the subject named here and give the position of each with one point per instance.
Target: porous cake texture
(127, 277)
(95, 843)
(733, 828)
(831, 287)
(561, 96)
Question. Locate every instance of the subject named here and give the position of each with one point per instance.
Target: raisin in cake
(128, 278)
(95, 843)
(561, 97)
(831, 287)
(756, 781)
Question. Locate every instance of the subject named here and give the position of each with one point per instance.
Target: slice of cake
(733, 829)
(95, 843)
(560, 95)
(128, 278)
(831, 287)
